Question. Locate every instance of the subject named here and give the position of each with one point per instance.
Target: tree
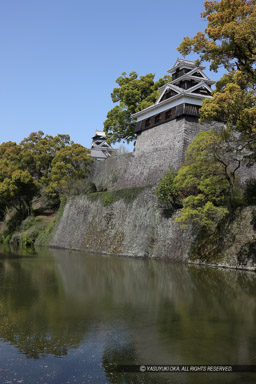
(70, 164)
(166, 191)
(18, 191)
(234, 102)
(133, 95)
(207, 183)
(230, 41)
(38, 151)
(55, 162)
(208, 180)
(229, 38)
(40, 163)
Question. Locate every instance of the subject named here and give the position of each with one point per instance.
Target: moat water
(67, 317)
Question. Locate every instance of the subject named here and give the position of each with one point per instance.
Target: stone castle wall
(155, 150)
(139, 228)
(136, 228)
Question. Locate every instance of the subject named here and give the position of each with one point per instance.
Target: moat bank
(130, 223)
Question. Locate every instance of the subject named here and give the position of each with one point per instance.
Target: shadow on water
(57, 303)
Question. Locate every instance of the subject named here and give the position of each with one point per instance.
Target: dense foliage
(40, 164)
(230, 41)
(133, 94)
(250, 192)
(166, 190)
(208, 182)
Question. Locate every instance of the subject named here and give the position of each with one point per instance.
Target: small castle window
(202, 91)
(197, 74)
(168, 114)
(157, 118)
(147, 123)
(169, 93)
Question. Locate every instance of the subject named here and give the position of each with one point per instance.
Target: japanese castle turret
(100, 149)
(165, 129)
(181, 98)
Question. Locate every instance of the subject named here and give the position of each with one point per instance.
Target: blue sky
(60, 58)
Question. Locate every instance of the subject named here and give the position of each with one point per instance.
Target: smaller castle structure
(100, 149)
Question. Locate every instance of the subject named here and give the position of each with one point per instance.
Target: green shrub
(250, 192)
(108, 198)
(237, 198)
(166, 191)
(6, 239)
(14, 220)
(27, 241)
(47, 232)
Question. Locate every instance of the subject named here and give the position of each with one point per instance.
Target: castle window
(147, 123)
(169, 93)
(157, 118)
(197, 74)
(168, 114)
(202, 91)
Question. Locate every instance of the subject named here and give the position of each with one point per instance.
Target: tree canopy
(39, 164)
(229, 38)
(207, 183)
(133, 94)
(71, 163)
(234, 102)
(230, 41)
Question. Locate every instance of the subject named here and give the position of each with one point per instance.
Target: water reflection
(128, 311)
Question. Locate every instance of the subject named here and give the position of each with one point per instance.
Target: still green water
(68, 317)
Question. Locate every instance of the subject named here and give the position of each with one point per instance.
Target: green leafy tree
(250, 192)
(10, 158)
(207, 183)
(229, 39)
(38, 151)
(70, 165)
(55, 162)
(234, 102)
(167, 192)
(133, 94)
(39, 164)
(18, 191)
